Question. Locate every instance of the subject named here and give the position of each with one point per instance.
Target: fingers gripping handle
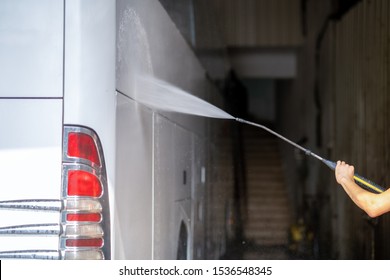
(360, 180)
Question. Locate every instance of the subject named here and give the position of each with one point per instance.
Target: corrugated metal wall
(354, 69)
(341, 103)
(261, 23)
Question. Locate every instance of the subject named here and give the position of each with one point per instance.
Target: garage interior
(316, 72)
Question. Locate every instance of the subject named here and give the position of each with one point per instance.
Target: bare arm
(373, 204)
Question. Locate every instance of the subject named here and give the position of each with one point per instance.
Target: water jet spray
(158, 94)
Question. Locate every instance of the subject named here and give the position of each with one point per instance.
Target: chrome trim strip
(50, 205)
(31, 254)
(34, 229)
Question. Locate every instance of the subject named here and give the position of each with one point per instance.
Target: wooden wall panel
(361, 100)
(261, 23)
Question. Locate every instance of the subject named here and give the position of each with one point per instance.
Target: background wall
(342, 88)
(335, 101)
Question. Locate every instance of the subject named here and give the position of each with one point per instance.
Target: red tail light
(92, 242)
(83, 183)
(81, 145)
(85, 217)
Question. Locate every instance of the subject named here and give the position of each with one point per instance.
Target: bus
(86, 171)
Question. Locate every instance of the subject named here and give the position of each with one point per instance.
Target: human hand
(344, 172)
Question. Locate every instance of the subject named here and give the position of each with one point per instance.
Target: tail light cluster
(85, 215)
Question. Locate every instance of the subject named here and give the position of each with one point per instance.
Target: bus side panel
(149, 44)
(173, 167)
(134, 180)
(199, 185)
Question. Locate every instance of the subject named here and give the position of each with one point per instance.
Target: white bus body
(68, 69)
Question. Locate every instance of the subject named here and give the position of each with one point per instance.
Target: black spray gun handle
(360, 180)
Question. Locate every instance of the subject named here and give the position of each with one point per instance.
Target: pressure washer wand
(361, 181)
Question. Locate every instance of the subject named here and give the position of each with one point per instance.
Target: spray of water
(160, 95)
